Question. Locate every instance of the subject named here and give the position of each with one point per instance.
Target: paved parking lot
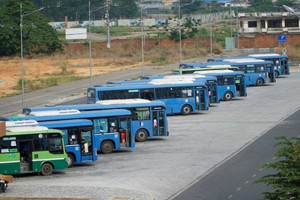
(159, 168)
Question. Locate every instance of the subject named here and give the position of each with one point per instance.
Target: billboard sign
(76, 33)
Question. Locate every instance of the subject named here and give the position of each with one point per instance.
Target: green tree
(123, 9)
(286, 180)
(262, 5)
(38, 35)
(280, 3)
(78, 10)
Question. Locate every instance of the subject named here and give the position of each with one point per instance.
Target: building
(268, 23)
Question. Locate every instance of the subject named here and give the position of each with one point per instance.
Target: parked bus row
(85, 129)
(120, 113)
(280, 62)
(256, 72)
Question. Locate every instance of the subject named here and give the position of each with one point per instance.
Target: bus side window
(100, 125)
(8, 146)
(250, 69)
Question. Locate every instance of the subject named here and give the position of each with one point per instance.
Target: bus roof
(243, 61)
(213, 71)
(170, 81)
(67, 123)
(83, 115)
(100, 105)
(220, 72)
(21, 123)
(264, 54)
(226, 65)
(268, 55)
(147, 85)
(182, 76)
(55, 112)
(26, 128)
(31, 131)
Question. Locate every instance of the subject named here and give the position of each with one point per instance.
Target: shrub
(286, 180)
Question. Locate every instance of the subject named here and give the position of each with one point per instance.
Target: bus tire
(107, 147)
(70, 160)
(276, 74)
(46, 169)
(227, 96)
(259, 82)
(141, 135)
(186, 110)
(2, 186)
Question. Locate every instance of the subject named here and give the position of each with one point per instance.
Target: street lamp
(22, 15)
(90, 38)
(179, 16)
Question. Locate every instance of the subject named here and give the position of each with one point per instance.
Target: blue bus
(231, 84)
(78, 137)
(280, 62)
(257, 72)
(180, 97)
(149, 118)
(211, 83)
(111, 127)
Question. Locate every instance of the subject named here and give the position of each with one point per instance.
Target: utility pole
(90, 44)
(142, 38)
(108, 22)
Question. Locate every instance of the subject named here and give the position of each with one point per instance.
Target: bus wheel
(70, 160)
(46, 169)
(259, 82)
(276, 74)
(186, 110)
(141, 135)
(107, 147)
(2, 186)
(227, 96)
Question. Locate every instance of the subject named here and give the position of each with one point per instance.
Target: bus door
(159, 126)
(25, 156)
(126, 138)
(284, 66)
(200, 98)
(240, 86)
(271, 73)
(86, 144)
(147, 94)
(213, 92)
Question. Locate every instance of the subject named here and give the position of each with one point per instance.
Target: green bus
(32, 150)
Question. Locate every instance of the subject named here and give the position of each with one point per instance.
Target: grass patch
(34, 85)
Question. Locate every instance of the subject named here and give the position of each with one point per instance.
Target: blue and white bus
(78, 136)
(281, 62)
(231, 84)
(111, 127)
(211, 83)
(257, 72)
(149, 118)
(180, 97)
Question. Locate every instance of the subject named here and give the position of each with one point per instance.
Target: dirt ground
(37, 69)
